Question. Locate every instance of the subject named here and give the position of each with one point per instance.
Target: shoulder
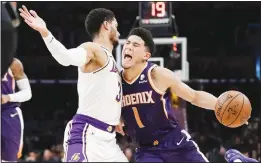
(16, 65)
(17, 69)
(164, 77)
(90, 46)
(92, 49)
(159, 72)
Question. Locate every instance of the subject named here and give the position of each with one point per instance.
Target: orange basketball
(233, 109)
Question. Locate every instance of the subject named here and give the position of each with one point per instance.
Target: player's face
(134, 52)
(114, 34)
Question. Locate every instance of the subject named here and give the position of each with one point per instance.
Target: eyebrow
(136, 43)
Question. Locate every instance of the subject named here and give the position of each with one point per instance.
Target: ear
(147, 56)
(106, 25)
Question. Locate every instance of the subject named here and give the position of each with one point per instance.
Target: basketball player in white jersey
(90, 135)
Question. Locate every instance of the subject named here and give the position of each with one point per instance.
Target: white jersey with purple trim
(100, 92)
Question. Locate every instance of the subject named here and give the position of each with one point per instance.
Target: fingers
(26, 11)
(25, 17)
(34, 13)
(28, 16)
(119, 129)
(121, 132)
(24, 14)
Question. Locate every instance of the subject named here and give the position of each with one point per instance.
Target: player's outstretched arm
(25, 92)
(168, 79)
(76, 56)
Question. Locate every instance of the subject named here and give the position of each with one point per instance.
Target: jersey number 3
(118, 97)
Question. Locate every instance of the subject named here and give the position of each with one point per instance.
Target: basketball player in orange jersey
(90, 135)
(12, 122)
(146, 108)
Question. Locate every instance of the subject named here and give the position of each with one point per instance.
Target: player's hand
(119, 129)
(5, 99)
(33, 20)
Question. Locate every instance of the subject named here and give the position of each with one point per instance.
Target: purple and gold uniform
(11, 122)
(150, 122)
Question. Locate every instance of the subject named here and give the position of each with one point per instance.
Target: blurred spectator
(33, 156)
(48, 156)
(216, 154)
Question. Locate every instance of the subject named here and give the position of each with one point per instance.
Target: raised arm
(77, 56)
(168, 79)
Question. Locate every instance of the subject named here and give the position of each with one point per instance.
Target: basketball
(233, 109)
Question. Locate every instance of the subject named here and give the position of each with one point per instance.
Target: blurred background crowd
(224, 48)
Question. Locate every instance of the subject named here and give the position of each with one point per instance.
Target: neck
(132, 73)
(104, 41)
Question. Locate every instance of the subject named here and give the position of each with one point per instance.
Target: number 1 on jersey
(137, 117)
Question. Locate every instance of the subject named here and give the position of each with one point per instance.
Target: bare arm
(168, 80)
(24, 93)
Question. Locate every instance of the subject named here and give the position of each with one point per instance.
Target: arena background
(224, 46)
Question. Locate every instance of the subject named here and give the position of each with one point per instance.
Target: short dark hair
(146, 36)
(95, 19)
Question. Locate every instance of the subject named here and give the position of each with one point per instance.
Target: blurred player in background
(9, 22)
(90, 135)
(147, 113)
(11, 119)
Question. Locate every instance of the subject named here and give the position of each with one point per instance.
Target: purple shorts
(12, 134)
(177, 146)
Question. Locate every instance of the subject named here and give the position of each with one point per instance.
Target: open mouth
(127, 57)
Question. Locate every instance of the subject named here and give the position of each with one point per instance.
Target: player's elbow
(66, 64)
(62, 60)
(29, 95)
(26, 89)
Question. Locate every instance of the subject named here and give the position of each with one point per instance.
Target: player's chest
(113, 69)
(141, 115)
